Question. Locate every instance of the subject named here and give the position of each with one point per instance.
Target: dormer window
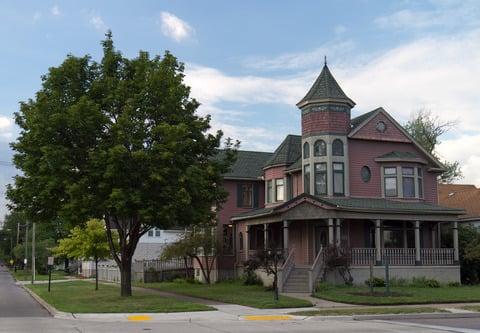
(337, 147)
(306, 150)
(320, 148)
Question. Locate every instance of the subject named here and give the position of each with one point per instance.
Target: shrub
(399, 282)
(423, 282)
(375, 282)
(322, 286)
(250, 278)
(453, 284)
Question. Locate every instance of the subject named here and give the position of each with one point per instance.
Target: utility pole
(33, 252)
(18, 231)
(26, 246)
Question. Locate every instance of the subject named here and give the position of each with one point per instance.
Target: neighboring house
(149, 247)
(360, 183)
(466, 197)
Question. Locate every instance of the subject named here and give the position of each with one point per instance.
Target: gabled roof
(325, 88)
(289, 151)
(366, 205)
(248, 165)
(461, 196)
(364, 119)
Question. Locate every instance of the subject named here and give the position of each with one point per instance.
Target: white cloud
(6, 129)
(175, 28)
(97, 22)
(466, 150)
(55, 10)
(443, 14)
(302, 60)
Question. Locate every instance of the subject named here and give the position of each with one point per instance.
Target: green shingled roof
(399, 155)
(326, 87)
(367, 205)
(355, 122)
(289, 151)
(249, 165)
(295, 166)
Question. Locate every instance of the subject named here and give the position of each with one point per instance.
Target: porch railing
(286, 269)
(403, 256)
(316, 269)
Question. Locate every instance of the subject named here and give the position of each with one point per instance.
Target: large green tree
(120, 140)
(427, 129)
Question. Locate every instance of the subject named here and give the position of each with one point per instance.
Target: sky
(250, 62)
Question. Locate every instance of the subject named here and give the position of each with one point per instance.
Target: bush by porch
(234, 292)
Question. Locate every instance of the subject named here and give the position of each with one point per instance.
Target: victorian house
(362, 184)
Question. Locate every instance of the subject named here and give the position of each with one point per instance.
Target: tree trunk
(96, 273)
(126, 278)
(275, 286)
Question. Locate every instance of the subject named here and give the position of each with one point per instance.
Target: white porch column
(265, 236)
(456, 257)
(417, 243)
(338, 239)
(378, 241)
(285, 237)
(330, 231)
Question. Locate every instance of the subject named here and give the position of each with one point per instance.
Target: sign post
(50, 266)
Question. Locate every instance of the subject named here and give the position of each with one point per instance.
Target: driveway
(14, 301)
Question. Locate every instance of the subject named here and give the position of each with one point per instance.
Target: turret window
(306, 150)
(337, 147)
(279, 189)
(320, 148)
(320, 178)
(306, 178)
(338, 179)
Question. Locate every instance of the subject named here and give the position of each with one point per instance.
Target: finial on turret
(325, 60)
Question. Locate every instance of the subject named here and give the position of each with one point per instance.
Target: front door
(321, 238)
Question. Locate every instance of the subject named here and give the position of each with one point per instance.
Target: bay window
(338, 179)
(408, 182)
(306, 178)
(390, 181)
(269, 191)
(279, 189)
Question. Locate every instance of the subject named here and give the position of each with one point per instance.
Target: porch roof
(365, 205)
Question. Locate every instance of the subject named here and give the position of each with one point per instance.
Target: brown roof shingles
(460, 196)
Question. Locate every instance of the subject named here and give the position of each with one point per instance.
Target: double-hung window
(306, 178)
(420, 182)
(338, 179)
(408, 182)
(245, 194)
(270, 191)
(320, 178)
(390, 181)
(279, 189)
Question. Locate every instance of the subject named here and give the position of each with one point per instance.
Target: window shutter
(255, 195)
(239, 195)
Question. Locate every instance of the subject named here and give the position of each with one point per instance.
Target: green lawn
(230, 292)
(80, 297)
(367, 311)
(401, 295)
(22, 275)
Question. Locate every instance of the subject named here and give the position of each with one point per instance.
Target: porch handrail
(315, 270)
(287, 267)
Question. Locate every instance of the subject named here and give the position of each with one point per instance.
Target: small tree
(337, 259)
(88, 242)
(200, 244)
(270, 261)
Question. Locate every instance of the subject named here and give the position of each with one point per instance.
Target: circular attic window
(381, 127)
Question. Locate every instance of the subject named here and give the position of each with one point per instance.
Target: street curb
(50, 309)
(433, 315)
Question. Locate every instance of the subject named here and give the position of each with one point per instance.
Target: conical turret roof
(325, 89)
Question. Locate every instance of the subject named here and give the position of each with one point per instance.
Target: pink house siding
(297, 183)
(363, 153)
(392, 133)
(274, 172)
(230, 208)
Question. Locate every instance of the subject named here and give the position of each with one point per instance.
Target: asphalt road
(14, 301)
(456, 323)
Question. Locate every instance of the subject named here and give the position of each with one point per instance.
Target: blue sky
(249, 62)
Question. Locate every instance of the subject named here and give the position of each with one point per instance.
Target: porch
(401, 243)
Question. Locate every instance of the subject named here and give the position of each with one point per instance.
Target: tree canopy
(118, 140)
(426, 129)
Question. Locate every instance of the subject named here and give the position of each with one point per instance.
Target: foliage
(88, 242)
(270, 260)
(117, 139)
(337, 259)
(375, 282)
(200, 244)
(250, 277)
(454, 284)
(423, 282)
(427, 129)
